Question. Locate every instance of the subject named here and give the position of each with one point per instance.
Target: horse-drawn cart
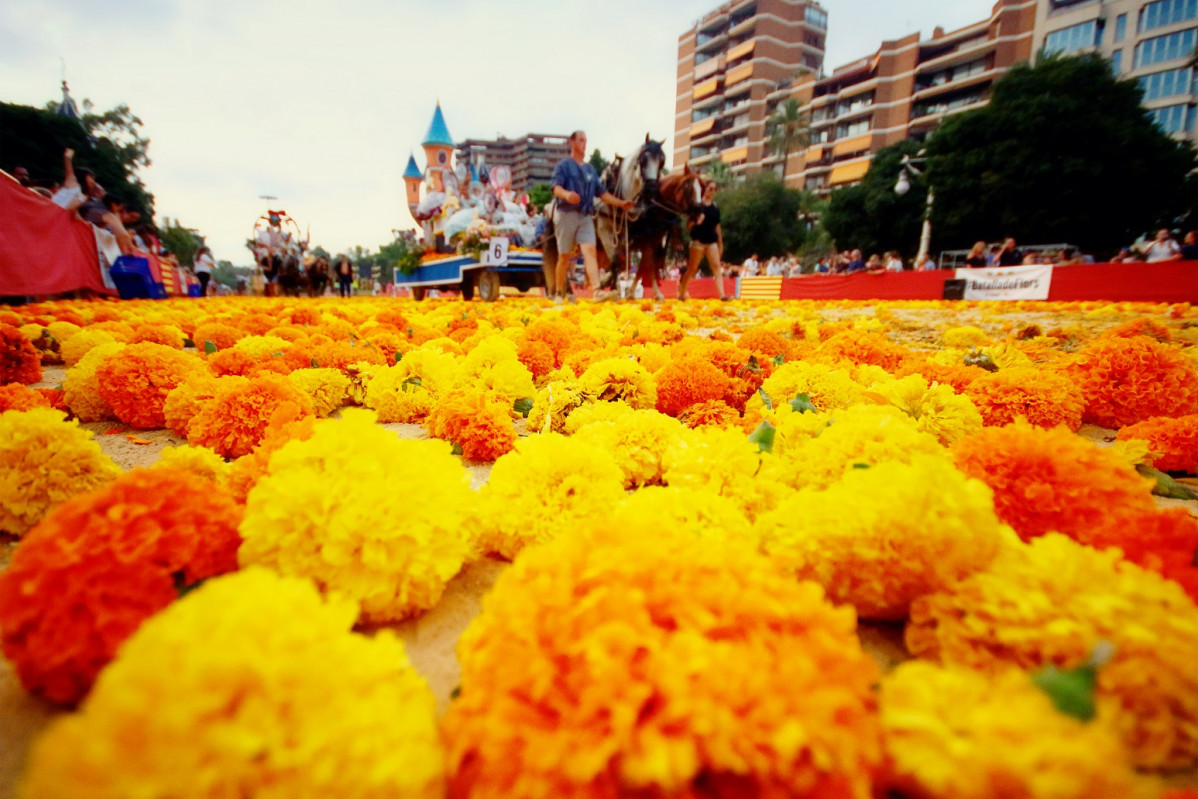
(520, 269)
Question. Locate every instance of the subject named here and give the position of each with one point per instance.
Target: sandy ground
(431, 640)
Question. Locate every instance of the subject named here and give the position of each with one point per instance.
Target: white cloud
(320, 104)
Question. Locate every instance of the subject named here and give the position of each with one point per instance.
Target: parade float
(278, 246)
(478, 232)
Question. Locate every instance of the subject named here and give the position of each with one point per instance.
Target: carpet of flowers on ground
(704, 505)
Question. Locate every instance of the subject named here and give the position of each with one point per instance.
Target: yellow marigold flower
(955, 733)
(966, 336)
(1049, 603)
(937, 410)
(261, 347)
(595, 413)
(553, 404)
(699, 512)
(865, 435)
(44, 461)
(327, 388)
(659, 665)
(549, 484)
(406, 392)
(249, 686)
(883, 536)
(620, 379)
(80, 388)
(339, 515)
(186, 399)
(360, 374)
(200, 461)
(827, 387)
(74, 348)
(726, 463)
(494, 366)
(636, 441)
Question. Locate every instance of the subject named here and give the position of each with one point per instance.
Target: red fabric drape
(43, 248)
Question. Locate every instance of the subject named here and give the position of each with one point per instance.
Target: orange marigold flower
(136, 381)
(281, 428)
(221, 335)
(860, 348)
(712, 413)
(683, 383)
(1129, 380)
(19, 360)
(1043, 397)
(536, 356)
(1165, 541)
(1140, 327)
(1052, 480)
(18, 397)
(342, 354)
(235, 419)
(89, 574)
(477, 423)
(656, 663)
(762, 342)
(233, 362)
(166, 335)
(1174, 440)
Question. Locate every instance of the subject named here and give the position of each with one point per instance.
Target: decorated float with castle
(479, 234)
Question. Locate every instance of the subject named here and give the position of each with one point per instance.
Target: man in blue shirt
(575, 187)
(857, 264)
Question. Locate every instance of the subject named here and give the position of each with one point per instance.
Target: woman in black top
(977, 256)
(707, 239)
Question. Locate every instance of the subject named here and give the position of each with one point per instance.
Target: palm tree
(789, 129)
(719, 173)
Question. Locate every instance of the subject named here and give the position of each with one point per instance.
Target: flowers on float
(936, 409)
(380, 521)
(19, 361)
(327, 388)
(1173, 442)
(101, 564)
(234, 420)
(475, 422)
(863, 435)
(553, 405)
(622, 379)
(854, 540)
(406, 392)
(686, 382)
(1051, 602)
(44, 461)
(669, 666)
(636, 440)
(955, 733)
(725, 463)
(200, 461)
(135, 382)
(252, 685)
(1041, 396)
(548, 485)
(1052, 480)
(1129, 380)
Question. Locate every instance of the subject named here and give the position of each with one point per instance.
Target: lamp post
(903, 185)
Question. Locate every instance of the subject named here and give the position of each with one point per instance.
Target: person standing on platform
(203, 265)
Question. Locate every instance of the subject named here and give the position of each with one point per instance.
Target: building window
(1167, 12)
(1117, 62)
(816, 18)
(1075, 37)
(1167, 84)
(1121, 26)
(848, 131)
(1174, 118)
(1165, 48)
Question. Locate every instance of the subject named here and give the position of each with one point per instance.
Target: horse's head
(683, 190)
(650, 162)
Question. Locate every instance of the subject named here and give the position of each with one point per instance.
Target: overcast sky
(320, 104)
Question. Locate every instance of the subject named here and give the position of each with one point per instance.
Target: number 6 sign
(496, 254)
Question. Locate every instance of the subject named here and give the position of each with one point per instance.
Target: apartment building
(901, 91)
(530, 158)
(728, 64)
(1149, 42)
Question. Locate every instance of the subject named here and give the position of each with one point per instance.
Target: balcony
(741, 73)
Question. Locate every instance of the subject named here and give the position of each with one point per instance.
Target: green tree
(35, 138)
(761, 216)
(1063, 152)
(181, 241)
(870, 216)
(226, 274)
(320, 252)
(788, 130)
(719, 173)
(598, 161)
(540, 194)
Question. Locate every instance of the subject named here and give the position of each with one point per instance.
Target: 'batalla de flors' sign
(1007, 283)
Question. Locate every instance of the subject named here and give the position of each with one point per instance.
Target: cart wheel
(419, 293)
(468, 287)
(488, 286)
